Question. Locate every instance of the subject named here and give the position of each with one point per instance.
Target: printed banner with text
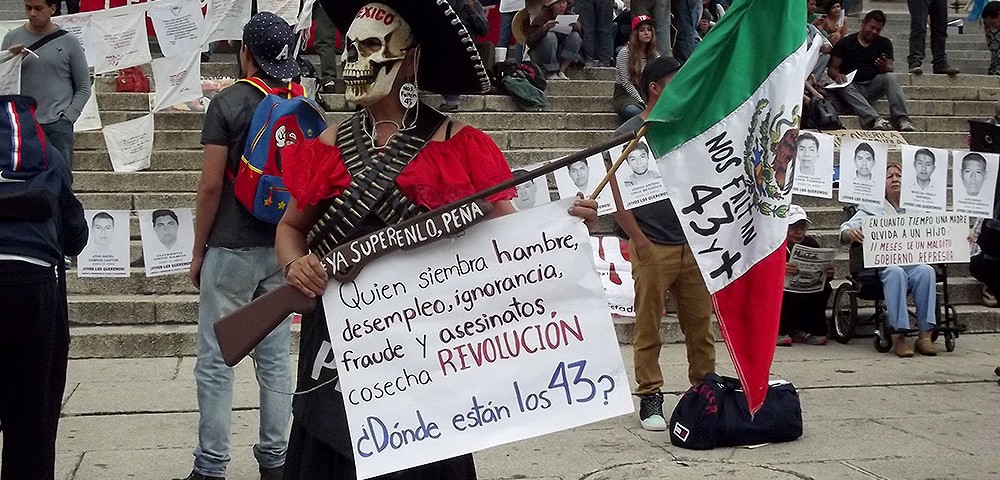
(499, 335)
(916, 239)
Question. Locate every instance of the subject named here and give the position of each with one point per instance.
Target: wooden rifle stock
(239, 332)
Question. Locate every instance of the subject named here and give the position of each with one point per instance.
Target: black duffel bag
(714, 413)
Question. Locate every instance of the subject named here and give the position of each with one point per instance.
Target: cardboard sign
(107, 250)
(862, 171)
(499, 335)
(130, 144)
(583, 177)
(892, 139)
(119, 42)
(177, 79)
(813, 170)
(915, 239)
(167, 235)
(974, 179)
(638, 177)
(178, 27)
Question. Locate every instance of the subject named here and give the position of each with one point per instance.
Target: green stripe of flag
(749, 42)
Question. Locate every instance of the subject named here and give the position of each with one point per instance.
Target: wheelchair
(865, 284)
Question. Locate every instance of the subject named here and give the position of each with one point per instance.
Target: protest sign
(178, 27)
(90, 116)
(862, 171)
(813, 171)
(811, 263)
(177, 79)
(107, 250)
(120, 41)
(925, 178)
(130, 144)
(532, 193)
(893, 140)
(81, 26)
(638, 178)
(584, 176)
(974, 175)
(224, 20)
(498, 335)
(915, 239)
(10, 75)
(615, 272)
(288, 10)
(167, 235)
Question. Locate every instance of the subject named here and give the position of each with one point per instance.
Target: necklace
(371, 132)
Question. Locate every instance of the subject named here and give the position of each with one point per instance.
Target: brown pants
(661, 269)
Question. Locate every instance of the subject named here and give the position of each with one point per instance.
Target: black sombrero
(449, 62)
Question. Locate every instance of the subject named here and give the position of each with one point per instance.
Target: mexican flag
(725, 130)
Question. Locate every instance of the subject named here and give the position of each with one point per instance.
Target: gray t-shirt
(657, 220)
(58, 79)
(226, 123)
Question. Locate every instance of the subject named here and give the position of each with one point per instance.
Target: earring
(408, 95)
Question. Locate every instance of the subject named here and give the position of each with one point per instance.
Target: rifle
(240, 331)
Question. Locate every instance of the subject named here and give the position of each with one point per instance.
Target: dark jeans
(598, 29)
(986, 270)
(60, 136)
(34, 346)
(938, 12)
(72, 6)
(325, 45)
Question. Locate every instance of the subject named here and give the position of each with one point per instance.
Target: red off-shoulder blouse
(441, 173)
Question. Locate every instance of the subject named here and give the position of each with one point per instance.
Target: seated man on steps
(870, 55)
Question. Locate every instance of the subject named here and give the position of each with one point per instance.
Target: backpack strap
(289, 91)
(46, 39)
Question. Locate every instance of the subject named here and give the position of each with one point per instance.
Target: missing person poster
(167, 236)
(531, 193)
(107, 251)
(813, 171)
(862, 171)
(638, 177)
(584, 176)
(499, 335)
(916, 239)
(974, 179)
(925, 178)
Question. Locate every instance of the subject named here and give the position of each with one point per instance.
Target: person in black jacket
(41, 221)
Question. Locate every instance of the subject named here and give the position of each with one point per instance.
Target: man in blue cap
(233, 260)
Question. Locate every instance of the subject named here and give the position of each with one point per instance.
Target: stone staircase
(150, 317)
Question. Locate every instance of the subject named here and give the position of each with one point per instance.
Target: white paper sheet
(130, 143)
(177, 79)
(120, 41)
(178, 27)
(10, 75)
(564, 23)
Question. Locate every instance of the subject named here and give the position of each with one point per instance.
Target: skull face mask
(377, 42)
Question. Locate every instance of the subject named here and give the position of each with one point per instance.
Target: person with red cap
(631, 61)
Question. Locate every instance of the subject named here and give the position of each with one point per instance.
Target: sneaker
(881, 124)
(447, 107)
(553, 76)
(784, 341)
(906, 126)
(276, 473)
(947, 70)
(988, 299)
(916, 70)
(197, 476)
(651, 412)
(799, 336)
(925, 347)
(563, 76)
(329, 87)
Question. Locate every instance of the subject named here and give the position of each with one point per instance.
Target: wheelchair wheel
(845, 309)
(882, 342)
(949, 341)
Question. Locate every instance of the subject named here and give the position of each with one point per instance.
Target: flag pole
(621, 158)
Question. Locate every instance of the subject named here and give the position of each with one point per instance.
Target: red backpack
(282, 118)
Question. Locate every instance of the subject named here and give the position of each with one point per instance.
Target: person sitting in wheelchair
(896, 280)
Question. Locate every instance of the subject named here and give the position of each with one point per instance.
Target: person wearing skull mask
(414, 159)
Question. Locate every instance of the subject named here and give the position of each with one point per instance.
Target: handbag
(131, 79)
(821, 114)
(714, 413)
